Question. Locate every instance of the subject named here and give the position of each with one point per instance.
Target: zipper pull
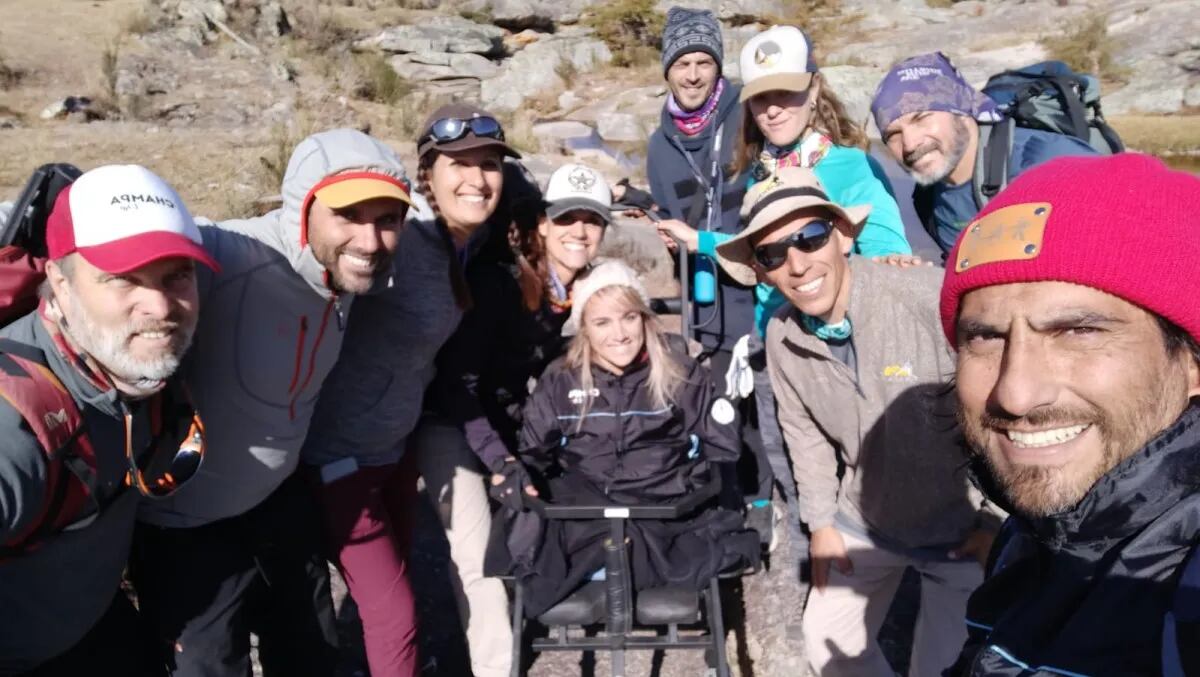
(337, 310)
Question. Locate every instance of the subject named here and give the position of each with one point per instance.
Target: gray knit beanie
(691, 30)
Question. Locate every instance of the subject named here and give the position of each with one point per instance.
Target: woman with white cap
(626, 416)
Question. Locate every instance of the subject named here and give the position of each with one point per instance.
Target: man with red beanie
(1072, 301)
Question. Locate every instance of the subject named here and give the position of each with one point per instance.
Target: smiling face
(931, 145)
(614, 328)
(136, 325)
(466, 186)
(355, 243)
(818, 282)
(571, 241)
(783, 116)
(1058, 383)
(692, 78)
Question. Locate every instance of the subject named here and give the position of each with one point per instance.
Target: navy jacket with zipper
(1095, 590)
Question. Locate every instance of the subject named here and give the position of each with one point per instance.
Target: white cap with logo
(778, 58)
(576, 186)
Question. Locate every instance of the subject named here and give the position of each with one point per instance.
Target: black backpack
(1046, 96)
(26, 226)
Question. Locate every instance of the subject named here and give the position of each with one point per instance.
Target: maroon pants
(368, 520)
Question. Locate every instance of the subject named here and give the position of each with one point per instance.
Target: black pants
(116, 645)
(204, 590)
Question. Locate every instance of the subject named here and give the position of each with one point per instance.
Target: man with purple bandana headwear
(935, 125)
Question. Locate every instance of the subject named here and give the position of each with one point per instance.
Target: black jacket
(483, 371)
(1088, 591)
(627, 446)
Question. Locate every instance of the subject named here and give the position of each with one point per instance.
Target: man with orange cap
(239, 547)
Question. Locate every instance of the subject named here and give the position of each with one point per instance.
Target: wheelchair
(612, 605)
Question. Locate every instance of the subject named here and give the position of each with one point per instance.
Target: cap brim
(559, 207)
(469, 142)
(788, 82)
(131, 253)
(735, 254)
(352, 191)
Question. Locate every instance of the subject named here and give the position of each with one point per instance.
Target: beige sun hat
(789, 190)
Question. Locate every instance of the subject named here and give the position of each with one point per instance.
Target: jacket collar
(1126, 499)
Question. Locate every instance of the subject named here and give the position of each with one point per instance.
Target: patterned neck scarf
(560, 295)
(807, 153)
(827, 332)
(694, 122)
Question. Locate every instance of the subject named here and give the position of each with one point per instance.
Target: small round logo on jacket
(722, 411)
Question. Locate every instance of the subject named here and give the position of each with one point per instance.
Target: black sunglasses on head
(811, 237)
(453, 129)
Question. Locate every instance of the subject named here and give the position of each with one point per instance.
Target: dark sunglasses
(164, 481)
(811, 237)
(453, 129)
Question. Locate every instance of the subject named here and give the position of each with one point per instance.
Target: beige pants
(841, 623)
(454, 481)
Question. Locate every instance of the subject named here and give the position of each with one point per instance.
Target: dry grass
(137, 22)
(939, 4)
(1087, 47)
(10, 76)
(1159, 134)
(632, 29)
(377, 81)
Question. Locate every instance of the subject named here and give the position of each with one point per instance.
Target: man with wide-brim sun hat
(861, 373)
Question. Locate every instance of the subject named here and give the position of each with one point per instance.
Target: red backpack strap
(29, 386)
(20, 275)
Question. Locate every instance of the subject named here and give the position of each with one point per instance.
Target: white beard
(109, 347)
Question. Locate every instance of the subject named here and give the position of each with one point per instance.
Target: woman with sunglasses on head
(627, 417)
(513, 330)
(371, 402)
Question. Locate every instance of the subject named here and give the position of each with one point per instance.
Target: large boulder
(516, 15)
(563, 137)
(854, 86)
(439, 34)
(540, 68)
(730, 9)
(426, 66)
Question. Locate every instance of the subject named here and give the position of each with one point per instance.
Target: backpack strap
(41, 399)
(992, 160)
(1181, 627)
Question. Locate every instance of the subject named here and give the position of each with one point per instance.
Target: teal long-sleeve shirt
(850, 177)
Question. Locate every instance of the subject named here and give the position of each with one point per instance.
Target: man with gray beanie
(686, 166)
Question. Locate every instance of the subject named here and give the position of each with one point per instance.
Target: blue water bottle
(704, 282)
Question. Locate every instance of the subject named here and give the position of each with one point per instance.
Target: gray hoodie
(269, 333)
(51, 596)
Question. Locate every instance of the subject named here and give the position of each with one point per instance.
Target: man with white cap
(88, 372)
(240, 547)
(867, 410)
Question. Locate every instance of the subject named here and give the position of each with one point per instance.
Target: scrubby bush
(632, 29)
(1086, 47)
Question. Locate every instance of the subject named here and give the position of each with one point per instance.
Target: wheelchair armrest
(667, 306)
(666, 511)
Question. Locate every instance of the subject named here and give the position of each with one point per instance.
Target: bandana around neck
(827, 332)
(694, 122)
(807, 153)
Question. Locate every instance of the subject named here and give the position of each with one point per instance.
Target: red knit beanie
(1124, 224)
